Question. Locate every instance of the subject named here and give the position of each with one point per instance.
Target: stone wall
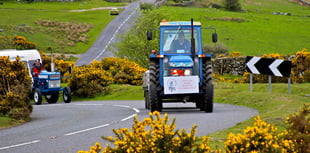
(229, 65)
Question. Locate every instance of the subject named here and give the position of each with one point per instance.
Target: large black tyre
(207, 87)
(37, 96)
(147, 99)
(154, 100)
(66, 95)
(52, 98)
(209, 99)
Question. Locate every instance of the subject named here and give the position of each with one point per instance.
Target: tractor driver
(181, 44)
(37, 68)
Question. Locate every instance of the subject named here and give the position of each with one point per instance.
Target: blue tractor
(179, 73)
(48, 84)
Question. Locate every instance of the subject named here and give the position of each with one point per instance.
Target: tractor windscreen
(176, 41)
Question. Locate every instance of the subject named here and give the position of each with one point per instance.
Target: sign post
(270, 67)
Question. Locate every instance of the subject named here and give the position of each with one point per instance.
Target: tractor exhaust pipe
(192, 40)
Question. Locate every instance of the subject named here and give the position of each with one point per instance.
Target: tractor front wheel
(37, 96)
(209, 99)
(67, 95)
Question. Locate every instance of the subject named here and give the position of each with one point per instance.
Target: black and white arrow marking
(275, 67)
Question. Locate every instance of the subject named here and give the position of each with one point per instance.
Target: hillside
(264, 26)
(254, 31)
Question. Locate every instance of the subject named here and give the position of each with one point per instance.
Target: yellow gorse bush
(155, 134)
(262, 137)
(15, 86)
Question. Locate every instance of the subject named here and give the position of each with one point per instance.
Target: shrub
(146, 6)
(262, 137)
(299, 129)
(86, 81)
(15, 86)
(16, 42)
(216, 49)
(301, 66)
(157, 134)
(154, 134)
(232, 5)
(122, 70)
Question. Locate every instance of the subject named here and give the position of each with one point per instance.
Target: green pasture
(258, 32)
(24, 15)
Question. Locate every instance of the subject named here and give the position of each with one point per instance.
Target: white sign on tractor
(181, 85)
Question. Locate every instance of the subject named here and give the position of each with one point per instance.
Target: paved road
(67, 128)
(121, 23)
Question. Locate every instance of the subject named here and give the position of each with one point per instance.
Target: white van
(27, 56)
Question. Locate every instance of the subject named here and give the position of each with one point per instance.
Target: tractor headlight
(187, 72)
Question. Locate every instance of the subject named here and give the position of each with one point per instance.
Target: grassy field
(24, 15)
(254, 31)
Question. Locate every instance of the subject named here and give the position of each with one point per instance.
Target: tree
(232, 5)
(133, 45)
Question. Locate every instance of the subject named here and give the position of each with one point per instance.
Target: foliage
(262, 137)
(63, 66)
(146, 6)
(134, 45)
(21, 18)
(301, 66)
(16, 42)
(299, 129)
(123, 71)
(154, 134)
(232, 5)
(86, 81)
(15, 86)
(157, 134)
(72, 32)
(216, 49)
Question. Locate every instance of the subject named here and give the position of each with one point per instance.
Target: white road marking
(104, 125)
(21, 144)
(93, 128)
(80, 131)
(119, 27)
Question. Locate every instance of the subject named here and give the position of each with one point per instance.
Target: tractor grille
(54, 84)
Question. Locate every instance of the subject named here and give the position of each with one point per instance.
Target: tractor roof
(177, 23)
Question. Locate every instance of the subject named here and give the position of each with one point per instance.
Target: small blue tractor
(176, 74)
(48, 84)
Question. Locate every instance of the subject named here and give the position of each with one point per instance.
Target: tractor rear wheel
(154, 101)
(67, 94)
(52, 98)
(37, 96)
(147, 99)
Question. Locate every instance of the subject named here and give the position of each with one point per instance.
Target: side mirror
(149, 35)
(214, 37)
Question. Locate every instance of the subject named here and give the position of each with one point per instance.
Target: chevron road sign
(268, 66)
